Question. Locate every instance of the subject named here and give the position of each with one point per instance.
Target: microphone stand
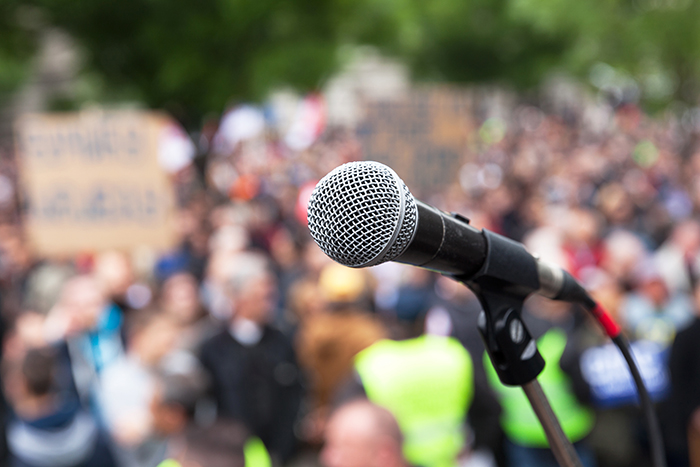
(562, 449)
(514, 355)
(508, 276)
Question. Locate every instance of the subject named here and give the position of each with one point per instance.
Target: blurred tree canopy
(17, 45)
(195, 57)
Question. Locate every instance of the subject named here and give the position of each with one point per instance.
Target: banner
(92, 181)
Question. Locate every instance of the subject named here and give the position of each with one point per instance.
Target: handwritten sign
(91, 181)
(423, 137)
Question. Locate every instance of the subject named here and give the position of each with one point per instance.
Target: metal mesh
(355, 212)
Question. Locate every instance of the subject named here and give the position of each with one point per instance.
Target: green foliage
(195, 57)
(656, 42)
(17, 45)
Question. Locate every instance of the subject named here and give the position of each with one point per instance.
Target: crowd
(246, 345)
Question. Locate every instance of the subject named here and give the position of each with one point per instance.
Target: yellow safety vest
(428, 384)
(519, 421)
(254, 453)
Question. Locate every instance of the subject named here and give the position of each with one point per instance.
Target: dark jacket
(258, 385)
(67, 437)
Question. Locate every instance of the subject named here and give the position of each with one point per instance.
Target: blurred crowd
(246, 345)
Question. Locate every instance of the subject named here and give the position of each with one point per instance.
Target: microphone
(362, 214)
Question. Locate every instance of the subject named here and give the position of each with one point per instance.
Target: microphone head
(362, 214)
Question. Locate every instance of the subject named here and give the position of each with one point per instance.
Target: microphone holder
(513, 352)
(508, 276)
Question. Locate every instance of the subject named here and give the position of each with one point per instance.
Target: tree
(195, 57)
(17, 44)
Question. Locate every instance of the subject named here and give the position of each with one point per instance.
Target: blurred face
(283, 249)
(84, 301)
(167, 419)
(156, 341)
(114, 270)
(256, 299)
(181, 298)
(307, 301)
(688, 238)
(656, 291)
(583, 228)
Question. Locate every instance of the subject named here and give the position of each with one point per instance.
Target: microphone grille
(362, 214)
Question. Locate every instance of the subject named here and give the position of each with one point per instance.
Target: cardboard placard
(91, 181)
(423, 136)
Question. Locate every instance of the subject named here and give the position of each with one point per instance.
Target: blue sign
(607, 373)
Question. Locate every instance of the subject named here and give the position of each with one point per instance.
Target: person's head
(29, 381)
(151, 335)
(361, 434)
(176, 396)
(305, 300)
(651, 284)
(284, 249)
(84, 301)
(686, 236)
(218, 445)
(252, 287)
(342, 286)
(582, 228)
(615, 203)
(38, 372)
(180, 297)
(113, 269)
(623, 253)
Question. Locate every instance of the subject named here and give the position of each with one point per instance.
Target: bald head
(362, 434)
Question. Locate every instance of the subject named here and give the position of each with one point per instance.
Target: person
(253, 368)
(128, 386)
(652, 311)
(218, 445)
(329, 338)
(362, 434)
(427, 383)
(194, 440)
(114, 271)
(526, 444)
(180, 386)
(678, 259)
(49, 427)
(179, 298)
(684, 365)
(88, 329)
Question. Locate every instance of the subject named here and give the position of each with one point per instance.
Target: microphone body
(362, 214)
(447, 244)
(444, 243)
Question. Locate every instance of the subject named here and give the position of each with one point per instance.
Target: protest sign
(422, 136)
(91, 181)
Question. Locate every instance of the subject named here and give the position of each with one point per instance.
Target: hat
(341, 284)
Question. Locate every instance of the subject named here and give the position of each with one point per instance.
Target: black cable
(658, 454)
(574, 292)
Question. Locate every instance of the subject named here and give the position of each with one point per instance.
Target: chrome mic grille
(362, 214)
